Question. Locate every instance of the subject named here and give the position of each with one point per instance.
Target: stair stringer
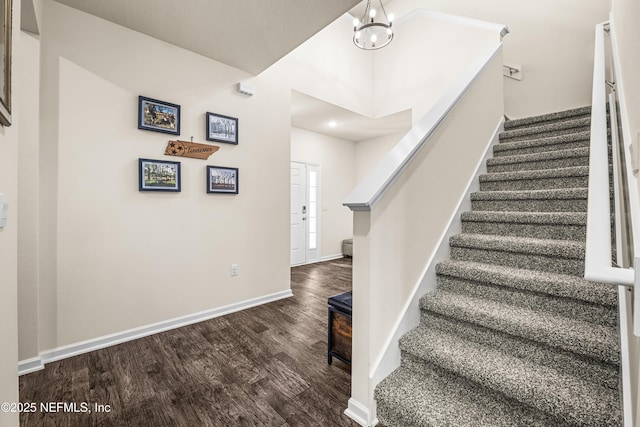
(409, 317)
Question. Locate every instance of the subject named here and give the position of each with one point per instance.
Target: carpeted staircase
(513, 335)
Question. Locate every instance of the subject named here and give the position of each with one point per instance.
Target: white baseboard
(34, 364)
(322, 259)
(331, 257)
(359, 413)
(30, 365)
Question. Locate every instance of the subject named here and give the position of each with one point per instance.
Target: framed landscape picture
(158, 175)
(222, 180)
(222, 128)
(158, 116)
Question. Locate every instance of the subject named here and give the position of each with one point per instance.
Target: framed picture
(158, 175)
(222, 128)
(158, 116)
(5, 65)
(222, 180)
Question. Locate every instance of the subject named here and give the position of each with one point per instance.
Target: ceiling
(316, 115)
(250, 35)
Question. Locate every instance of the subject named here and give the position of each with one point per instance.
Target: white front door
(298, 213)
(305, 213)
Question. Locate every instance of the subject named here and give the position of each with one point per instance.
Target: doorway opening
(305, 213)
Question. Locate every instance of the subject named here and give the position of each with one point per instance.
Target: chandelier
(370, 34)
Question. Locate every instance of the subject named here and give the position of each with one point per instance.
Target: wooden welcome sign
(190, 149)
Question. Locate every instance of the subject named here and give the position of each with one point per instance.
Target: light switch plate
(4, 207)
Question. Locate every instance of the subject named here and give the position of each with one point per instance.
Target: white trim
(359, 413)
(318, 249)
(624, 311)
(322, 259)
(374, 186)
(30, 365)
(331, 257)
(409, 317)
(144, 331)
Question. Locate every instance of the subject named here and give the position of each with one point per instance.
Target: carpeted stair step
(558, 285)
(554, 200)
(560, 394)
(603, 374)
(548, 118)
(544, 160)
(557, 256)
(571, 177)
(539, 145)
(551, 143)
(545, 130)
(541, 225)
(417, 394)
(597, 342)
(594, 313)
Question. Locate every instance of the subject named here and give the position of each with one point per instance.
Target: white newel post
(360, 405)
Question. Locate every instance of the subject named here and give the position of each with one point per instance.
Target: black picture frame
(222, 128)
(158, 116)
(158, 175)
(6, 14)
(222, 179)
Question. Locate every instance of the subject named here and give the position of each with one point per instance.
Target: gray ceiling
(247, 34)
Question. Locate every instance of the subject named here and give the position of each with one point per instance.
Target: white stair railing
(598, 256)
(599, 264)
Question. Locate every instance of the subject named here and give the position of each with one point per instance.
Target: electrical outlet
(234, 269)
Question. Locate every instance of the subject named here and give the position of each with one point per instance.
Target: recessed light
(333, 124)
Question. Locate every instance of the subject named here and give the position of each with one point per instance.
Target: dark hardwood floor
(265, 366)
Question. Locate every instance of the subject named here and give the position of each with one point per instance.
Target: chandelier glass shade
(370, 34)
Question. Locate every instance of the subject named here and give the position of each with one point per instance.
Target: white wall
(9, 137)
(551, 40)
(425, 57)
(113, 258)
(371, 151)
(337, 160)
(328, 66)
(626, 20)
